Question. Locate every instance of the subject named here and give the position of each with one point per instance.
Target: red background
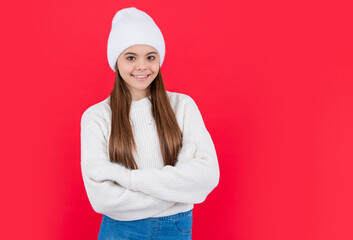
(272, 79)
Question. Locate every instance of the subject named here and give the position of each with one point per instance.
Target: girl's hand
(187, 153)
(101, 171)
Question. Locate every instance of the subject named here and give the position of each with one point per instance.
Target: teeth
(140, 76)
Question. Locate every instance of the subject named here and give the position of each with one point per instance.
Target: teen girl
(146, 155)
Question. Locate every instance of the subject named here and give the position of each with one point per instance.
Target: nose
(141, 64)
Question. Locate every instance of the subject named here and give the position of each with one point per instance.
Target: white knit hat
(131, 26)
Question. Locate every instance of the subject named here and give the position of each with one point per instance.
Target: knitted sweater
(152, 190)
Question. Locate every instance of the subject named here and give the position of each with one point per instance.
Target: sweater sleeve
(106, 196)
(189, 181)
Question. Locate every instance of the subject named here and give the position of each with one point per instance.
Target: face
(138, 65)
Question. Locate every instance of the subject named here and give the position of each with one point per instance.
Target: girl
(146, 155)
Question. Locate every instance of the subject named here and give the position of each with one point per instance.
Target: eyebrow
(136, 54)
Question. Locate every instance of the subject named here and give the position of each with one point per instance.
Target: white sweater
(153, 190)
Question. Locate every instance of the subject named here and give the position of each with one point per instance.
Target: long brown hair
(122, 143)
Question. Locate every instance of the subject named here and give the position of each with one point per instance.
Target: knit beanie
(131, 26)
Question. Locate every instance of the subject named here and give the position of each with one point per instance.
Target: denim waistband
(175, 216)
(170, 217)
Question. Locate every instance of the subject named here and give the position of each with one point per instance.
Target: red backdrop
(273, 81)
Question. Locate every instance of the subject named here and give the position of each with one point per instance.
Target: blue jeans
(173, 227)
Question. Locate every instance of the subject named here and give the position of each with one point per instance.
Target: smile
(141, 77)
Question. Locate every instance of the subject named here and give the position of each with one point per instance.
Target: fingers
(187, 152)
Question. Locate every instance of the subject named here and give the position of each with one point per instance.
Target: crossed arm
(195, 175)
(107, 196)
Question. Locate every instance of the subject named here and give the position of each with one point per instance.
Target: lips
(140, 79)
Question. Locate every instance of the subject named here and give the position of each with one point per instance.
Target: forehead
(140, 48)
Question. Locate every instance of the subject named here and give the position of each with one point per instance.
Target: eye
(151, 57)
(129, 58)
